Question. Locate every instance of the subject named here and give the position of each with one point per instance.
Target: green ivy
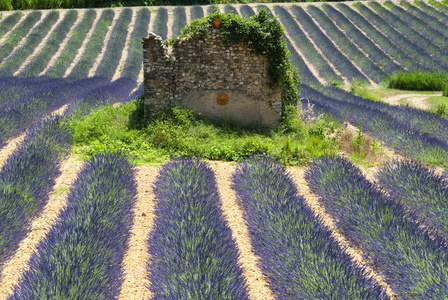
(262, 33)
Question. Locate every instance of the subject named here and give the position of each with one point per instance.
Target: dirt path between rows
(414, 100)
(136, 282)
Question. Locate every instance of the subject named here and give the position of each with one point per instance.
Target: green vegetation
(45, 4)
(436, 101)
(434, 3)
(438, 105)
(262, 33)
(175, 132)
(361, 89)
(418, 81)
(388, 4)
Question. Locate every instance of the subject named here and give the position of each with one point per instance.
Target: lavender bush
(160, 28)
(230, 9)
(180, 20)
(196, 12)
(193, 253)
(81, 257)
(115, 45)
(27, 177)
(419, 189)
(246, 11)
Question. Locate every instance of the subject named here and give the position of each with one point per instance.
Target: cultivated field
(104, 229)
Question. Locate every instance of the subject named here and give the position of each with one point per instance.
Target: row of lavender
(361, 44)
(371, 43)
(297, 253)
(193, 254)
(26, 178)
(192, 250)
(30, 172)
(24, 100)
(81, 257)
(413, 259)
(412, 132)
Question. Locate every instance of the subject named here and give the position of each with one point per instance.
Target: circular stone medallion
(222, 99)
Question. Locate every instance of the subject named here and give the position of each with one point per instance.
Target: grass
(435, 101)
(361, 89)
(178, 132)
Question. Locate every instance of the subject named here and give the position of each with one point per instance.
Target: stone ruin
(205, 75)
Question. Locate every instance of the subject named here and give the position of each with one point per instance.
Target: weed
(441, 110)
(360, 140)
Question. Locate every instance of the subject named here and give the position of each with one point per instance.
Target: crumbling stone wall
(216, 80)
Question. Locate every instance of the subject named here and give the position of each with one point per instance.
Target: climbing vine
(264, 34)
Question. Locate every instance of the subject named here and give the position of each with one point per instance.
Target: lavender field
(192, 229)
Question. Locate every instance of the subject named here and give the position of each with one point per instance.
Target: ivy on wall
(261, 32)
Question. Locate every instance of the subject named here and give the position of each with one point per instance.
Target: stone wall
(216, 80)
